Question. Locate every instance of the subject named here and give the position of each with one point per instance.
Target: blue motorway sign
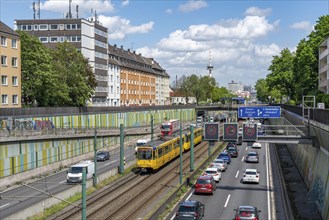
(259, 112)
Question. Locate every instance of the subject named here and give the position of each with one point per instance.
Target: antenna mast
(77, 10)
(210, 67)
(33, 10)
(39, 9)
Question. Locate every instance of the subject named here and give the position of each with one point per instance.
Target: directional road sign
(211, 131)
(249, 132)
(230, 132)
(259, 111)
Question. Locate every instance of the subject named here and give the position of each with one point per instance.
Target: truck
(170, 127)
(141, 142)
(74, 173)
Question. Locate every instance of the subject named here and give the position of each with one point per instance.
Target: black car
(190, 210)
(103, 155)
(230, 144)
(233, 152)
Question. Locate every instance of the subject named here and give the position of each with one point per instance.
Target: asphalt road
(22, 197)
(231, 192)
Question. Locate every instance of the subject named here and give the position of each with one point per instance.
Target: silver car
(252, 157)
(220, 164)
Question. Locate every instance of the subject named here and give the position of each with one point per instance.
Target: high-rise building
(324, 66)
(88, 36)
(10, 69)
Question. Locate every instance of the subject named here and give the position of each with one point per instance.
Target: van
(74, 173)
(141, 142)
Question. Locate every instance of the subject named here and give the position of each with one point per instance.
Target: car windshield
(231, 149)
(251, 173)
(245, 213)
(252, 154)
(223, 155)
(211, 171)
(219, 161)
(202, 181)
(184, 208)
(75, 170)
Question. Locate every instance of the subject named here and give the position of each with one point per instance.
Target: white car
(214, 172)
(251, 176)
(256, 145)
(220, 164)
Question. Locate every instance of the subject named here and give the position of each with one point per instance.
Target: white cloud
(169, 11)
(235, 53)
(192, 5)
(302, 25)
(119, 27)
(125, 3)
(85, 6)
(255, 11)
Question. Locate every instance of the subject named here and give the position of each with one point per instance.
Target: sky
(239, 38)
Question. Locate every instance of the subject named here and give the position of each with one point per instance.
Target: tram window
(166, 149)
(145, 155)
(160, 152)
(176, 144)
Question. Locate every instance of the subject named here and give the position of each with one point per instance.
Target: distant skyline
(242, 36)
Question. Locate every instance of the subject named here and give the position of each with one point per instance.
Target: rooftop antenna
(96, 18)
(39, 9)
(210, 67)
(69, 14)
(33, 10)
(92, 15)
(77, 10)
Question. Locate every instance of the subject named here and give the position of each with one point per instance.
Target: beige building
(10, 68)
(324, 67)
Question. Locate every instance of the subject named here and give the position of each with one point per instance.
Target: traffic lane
(231, 192)
(12, 201)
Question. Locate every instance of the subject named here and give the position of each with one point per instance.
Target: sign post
(249, 132)
(230, 132)
(211, 134)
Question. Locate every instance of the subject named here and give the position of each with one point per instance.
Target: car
(252, 157)
(256, 145)
(233, 152)
(220, 164)
(225, 156)
(251, 176)
(205, 184)
(240, 132)
(214, 172)
(230, 144)
(190, 209)
(103, 155)
(246, 212)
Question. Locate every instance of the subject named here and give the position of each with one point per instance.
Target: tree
(219, 93)
(262, 90)
(281, 79)
(76, 74)
(39, 84)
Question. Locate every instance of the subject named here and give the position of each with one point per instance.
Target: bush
(291, 102)
(325, 100)
(319, 97)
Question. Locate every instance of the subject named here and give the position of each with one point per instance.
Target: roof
(205, 177)
(212, 168)
(189, 202)
(6, 29)
(83, 163)
(251, 170)
(247, 208)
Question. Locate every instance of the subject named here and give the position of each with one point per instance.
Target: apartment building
(324, 67)
(10, 69)
(136, 79)
(88, 36)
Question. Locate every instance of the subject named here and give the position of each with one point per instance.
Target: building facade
(88, 36)
(324, 67)
(234, 87)
(10, 68)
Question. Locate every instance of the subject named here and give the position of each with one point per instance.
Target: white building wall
(88, 40)
(113, 95)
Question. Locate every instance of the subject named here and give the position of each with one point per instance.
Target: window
(53, 39)
(14, 43)
(14, 81)
(54, 27)
(14, 62)
(43, 27)
(4, 99)
(68, 27)
(43, 39)
(4, 60)
(36, 27)
(15, 99)
(3, 41)
(4, 80)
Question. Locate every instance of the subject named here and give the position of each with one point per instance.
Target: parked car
(214, 172)
(251, 176)
(233, 152)
(225, 156)
(246, 213)
(220, 164)
(252, 157)
(256, 145)
(190, 210)
(103, 155)
(205, 184)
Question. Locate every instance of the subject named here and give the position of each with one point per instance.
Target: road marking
(237, 173)
(228, 198)
(173, 217)
(242, 158)
(4, 205)
(246, 148)
(62, 182)
(268, 185)
(108, 163)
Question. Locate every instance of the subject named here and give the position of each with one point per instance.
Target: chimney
(140, 54)
(128, 50)
(121, 47)
(115, 45)
(134, 52)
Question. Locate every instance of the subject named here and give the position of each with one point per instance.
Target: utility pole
(95, 159)
(152, 127)
(192, 148)
(180, 153)
(121, 170)
(84, 201)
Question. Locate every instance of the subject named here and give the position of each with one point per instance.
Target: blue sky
(241, 36)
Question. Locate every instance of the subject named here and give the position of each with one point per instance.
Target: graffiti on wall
(318, 191)
(43, 124)
(25, 124)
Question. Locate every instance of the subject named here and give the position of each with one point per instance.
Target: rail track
(131, 196)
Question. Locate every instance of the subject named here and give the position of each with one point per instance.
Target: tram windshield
(144, 154)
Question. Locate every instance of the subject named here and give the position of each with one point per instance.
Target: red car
(205, 184)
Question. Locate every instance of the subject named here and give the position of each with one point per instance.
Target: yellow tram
(156, 154)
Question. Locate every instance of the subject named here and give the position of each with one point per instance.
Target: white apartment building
(324, 67)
